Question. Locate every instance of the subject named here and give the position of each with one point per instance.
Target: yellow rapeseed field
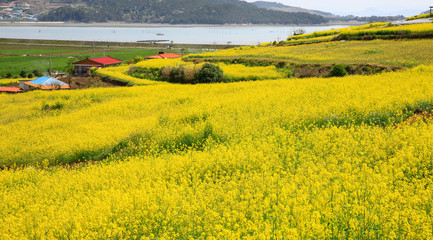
(380, 30)
(427, 15)
(411, 28)
(339, 30)
(120, 73)
(388, 52)
(279, 159)
(8, 81)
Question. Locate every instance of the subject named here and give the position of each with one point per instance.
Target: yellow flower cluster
(282, 159)
(119, 73)
(427, 15)
(239, 71)
(337, 31)
(410, 28)
(160, 63)
(8, 81)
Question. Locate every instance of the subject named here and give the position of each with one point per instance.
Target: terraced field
(280, 158)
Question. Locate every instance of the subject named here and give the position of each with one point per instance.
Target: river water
(221, 34)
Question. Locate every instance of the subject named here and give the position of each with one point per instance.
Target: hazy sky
(352, 6)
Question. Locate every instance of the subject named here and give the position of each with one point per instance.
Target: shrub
(189, 75)
(338, 71)
(30, 75)
(93, 71)
(299, 31)
(138, 59)
(177, 75)
(289, 71)
(129, 61)
(209, 73)
(37, 73)
(165, 74)
(23, 74)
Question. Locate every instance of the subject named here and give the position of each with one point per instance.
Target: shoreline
(102, 44)
(163, 25)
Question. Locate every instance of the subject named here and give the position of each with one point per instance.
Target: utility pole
(51, 70)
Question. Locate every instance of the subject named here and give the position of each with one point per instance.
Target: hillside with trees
(177, 12)
(284, 8)
(329, 16)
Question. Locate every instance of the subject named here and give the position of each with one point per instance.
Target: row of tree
(177, 12)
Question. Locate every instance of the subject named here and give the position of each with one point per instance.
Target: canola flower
(119, 73)
(89, 123)
(312, 39)
(337, 31)
(281, 159)
(411, 28)
(239, 71)
(376, 29)
(427, 15)
(160, 63)
(8, 81)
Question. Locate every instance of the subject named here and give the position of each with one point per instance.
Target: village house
(83, 67)
(10, 90)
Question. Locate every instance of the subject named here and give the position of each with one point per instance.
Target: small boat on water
(160, 34)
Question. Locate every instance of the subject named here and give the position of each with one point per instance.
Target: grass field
(288, 158)
(15, 58)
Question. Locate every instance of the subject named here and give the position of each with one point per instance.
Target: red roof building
(82, 67)
(163, 55)
(10, 89)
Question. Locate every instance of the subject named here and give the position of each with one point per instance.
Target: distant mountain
(177, 12)
(383, 12)
(372, 17)
(284, 8)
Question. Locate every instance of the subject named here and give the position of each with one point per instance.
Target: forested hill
(281, 7)
(177, 12)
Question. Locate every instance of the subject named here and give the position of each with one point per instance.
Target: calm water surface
(234, 35)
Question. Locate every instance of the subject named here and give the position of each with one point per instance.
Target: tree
(338, 71)
(23, 74)
(209, 73)
(37, 73)
(299, 31)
